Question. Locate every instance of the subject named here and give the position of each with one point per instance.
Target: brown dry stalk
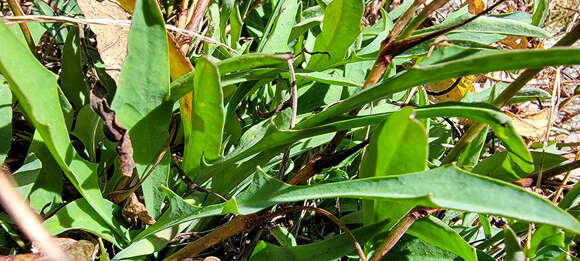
(28, 221)
(193, 25)
(399, 230)
(242, 223)
(246, 222)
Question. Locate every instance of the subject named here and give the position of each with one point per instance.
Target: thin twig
(564, 181)
(294, 108)
(28, 222)
(65, 19)
(17, 11)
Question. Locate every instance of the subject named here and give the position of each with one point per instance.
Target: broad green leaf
(277, 39)
(486, 24)
(442, 187)
(341, 26)
(37, 91)
(72, 78)
(46, 194)
(80, 215)
(507, 60)
(311, 17)
(398, 146)
(140, 99)
(208, 119)
(410, 248)
(251, 61)
(439, 234)
(501, 165)
(25, 176)
(328, 249)
(5, 119)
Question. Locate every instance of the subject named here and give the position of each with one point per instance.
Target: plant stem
(399, 230)
(17, 11)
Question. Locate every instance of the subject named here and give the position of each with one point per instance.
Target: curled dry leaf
(531, 126)
(134, 210)
(113, 130)
(80, 250)
(111, 39)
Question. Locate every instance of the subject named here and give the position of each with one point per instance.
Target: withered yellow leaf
(475, 6)
(450, 89)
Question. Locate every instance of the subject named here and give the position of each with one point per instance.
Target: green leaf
(89, 130)
(207, 118)
(486, 24)
(80, 215)
(328, 249)
(398, 146)
(542, 233)
(341, 26)
(572, 198)
(141, 98)
(410, 248)
(506, 60)
(541, 10)
(470, 156)
(277, 39)
(38, 93)
(72, 78)
(5, 119)
(501, 165)
(442, 187)
(25, 176)
(439, 234)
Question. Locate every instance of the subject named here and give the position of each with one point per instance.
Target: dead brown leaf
(111, 39)
(80, 250)
(532, 125)
(134, 210)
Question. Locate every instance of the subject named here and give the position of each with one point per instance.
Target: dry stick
(553, 110)
(294, 108)
(569, 39)
(242, 223)
(399, 230)
(28, 222)
(17, 11)
(65, 19)
(564, 181)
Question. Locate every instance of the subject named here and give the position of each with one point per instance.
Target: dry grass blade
(28, 222)
(125, 23)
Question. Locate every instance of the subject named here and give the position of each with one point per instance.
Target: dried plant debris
(134, 209)
(81, 250)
